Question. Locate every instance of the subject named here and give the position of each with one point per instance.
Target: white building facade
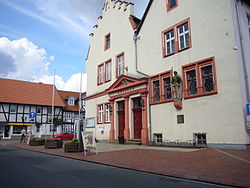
(206, 42)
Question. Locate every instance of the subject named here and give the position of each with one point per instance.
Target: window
(108, 71)
(180, 119)
(100, 113)
(183, 33)
(156, 89)
(1, 129)
(107, 42)
(171, 4)
(13, 108)
(67, 115)
(120, 65)
(199, 78)
(169, 38)
(161, 88)
(191, 82)
(39, 110)
(158, 138)
(100, 74)
(107, 112)
(17, 129)
(49, 110)
(167, 88)
(71, 101)
(207, 79)
(176, 38)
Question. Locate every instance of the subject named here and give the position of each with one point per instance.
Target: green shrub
(37, 138)
(74, 140)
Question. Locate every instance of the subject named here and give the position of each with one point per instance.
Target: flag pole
(53, 101)
(80, 105)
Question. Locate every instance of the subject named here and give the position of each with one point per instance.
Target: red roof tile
(66, 94)
(23, 92)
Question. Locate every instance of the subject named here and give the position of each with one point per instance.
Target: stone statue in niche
(177, 87)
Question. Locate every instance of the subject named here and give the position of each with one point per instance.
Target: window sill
(161, 102)
(200, 95)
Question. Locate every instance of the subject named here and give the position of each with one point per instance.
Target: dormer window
(71, 101)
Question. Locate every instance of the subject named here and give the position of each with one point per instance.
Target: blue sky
(37, 37)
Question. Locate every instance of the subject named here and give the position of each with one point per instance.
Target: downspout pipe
(242, 53)
(135, 37)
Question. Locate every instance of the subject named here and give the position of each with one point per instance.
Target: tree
(57, 122)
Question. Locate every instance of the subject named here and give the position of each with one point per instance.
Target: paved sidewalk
(222, 166)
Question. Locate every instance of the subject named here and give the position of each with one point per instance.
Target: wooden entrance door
(121, 118)
(137, 113)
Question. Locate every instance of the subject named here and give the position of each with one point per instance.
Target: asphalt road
(27, 169)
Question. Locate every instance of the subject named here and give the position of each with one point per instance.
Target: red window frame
(98, 115)
(104, 118)
(168, 4)
(107, 42)
(106, 73)
(117, 67)
(197, 66)
(105, 115)
(98, 74)
(160, 77)
(176, 36)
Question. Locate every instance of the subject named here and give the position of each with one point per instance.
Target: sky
(40, 39)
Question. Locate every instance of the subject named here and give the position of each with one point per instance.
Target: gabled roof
(65, 95)
(23, 92)
(126, 81)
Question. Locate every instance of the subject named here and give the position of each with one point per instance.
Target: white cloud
(23, 60)
(52, 58)
(26, 60)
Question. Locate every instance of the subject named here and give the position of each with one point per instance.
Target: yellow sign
(19, 123)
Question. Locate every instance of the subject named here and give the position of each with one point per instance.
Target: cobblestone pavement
(222, 166)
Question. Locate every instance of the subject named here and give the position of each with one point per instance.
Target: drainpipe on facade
(242, 53)
(146, 75)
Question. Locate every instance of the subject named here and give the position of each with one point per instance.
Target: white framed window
(107, 112)
(100, 113)
(183, 32)
(108, 71)
(71, 101)
(67, 115)
(169, 42)
(13, 108)
(101, 74)
(120, 65)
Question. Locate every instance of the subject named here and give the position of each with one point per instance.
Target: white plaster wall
(91, 106)
(212, 35)
(116, 22)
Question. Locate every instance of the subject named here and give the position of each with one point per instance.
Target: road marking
(234, 156)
